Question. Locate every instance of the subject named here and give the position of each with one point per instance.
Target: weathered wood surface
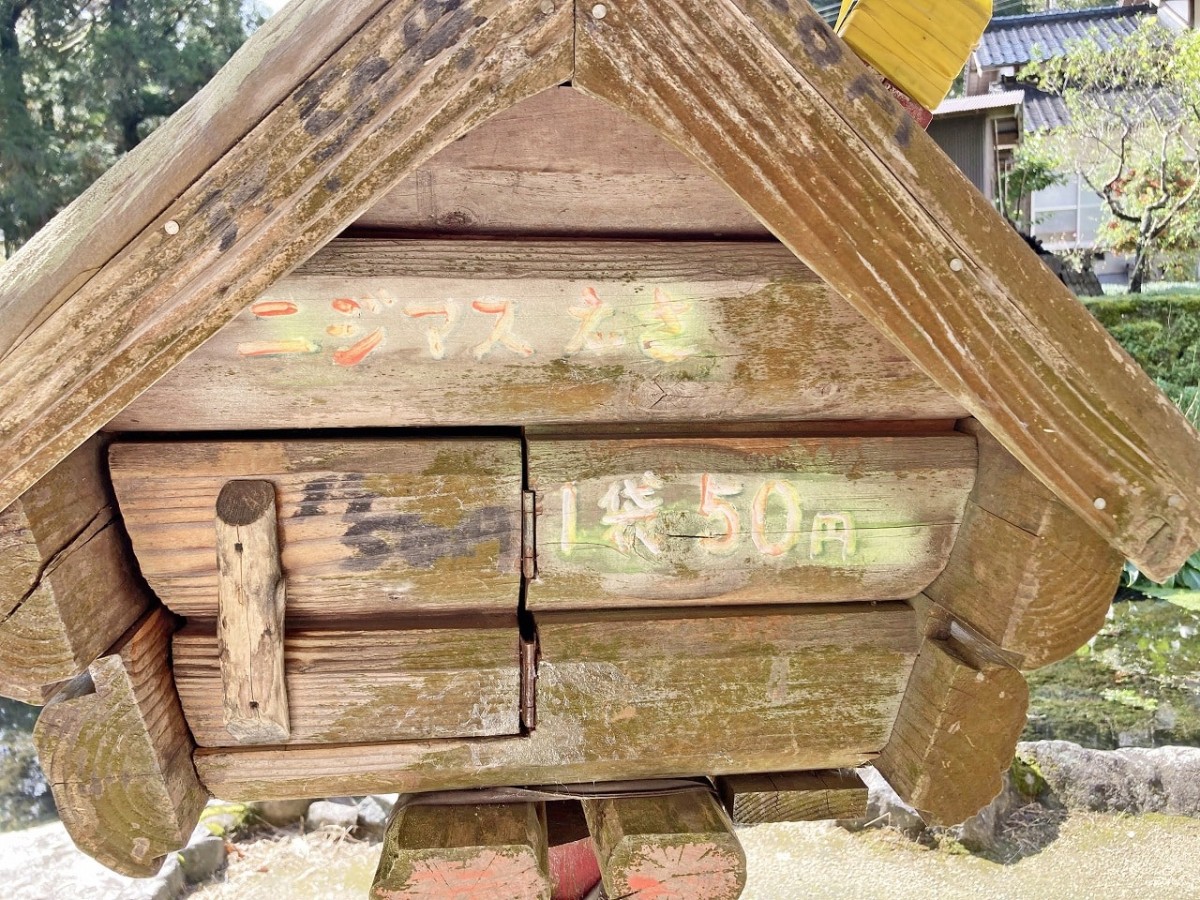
(644, 694)
(956, 732)
(793, 797)
(60, 258)
(381, 333)
(784, 114)
(251, 608)
(676, 847)
(647, 522)
(561, 163)
(410, 81)
(367, 527)
(439, 678)
(457, 852)
(67, 584)
(1026, 571)
(118, 755)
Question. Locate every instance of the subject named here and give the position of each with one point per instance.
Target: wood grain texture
(68, 588)
(793, 797)
(251, 605)
(453, 852)
(367, 527)
(956, 732)
(652, 522)
(1025, 572)
(445, 678)
(81, 240)
(644, 694)
(118, 755)
(561, 163)
(776, 108)
(412, 79)
(677, 847)
(505, 333)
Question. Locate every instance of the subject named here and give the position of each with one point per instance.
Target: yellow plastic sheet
(918, 45)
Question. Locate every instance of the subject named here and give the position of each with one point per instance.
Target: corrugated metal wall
(964, 140)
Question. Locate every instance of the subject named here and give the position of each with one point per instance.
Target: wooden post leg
(957, 729)
(460, 852)
(677, 847)
(793, 797)
(118, 755)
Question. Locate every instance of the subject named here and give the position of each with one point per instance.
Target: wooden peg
(484, 850)
(677, 847)
(793, 797)
(251, 599)
(118, 755)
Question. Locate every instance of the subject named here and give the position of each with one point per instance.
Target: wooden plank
(414, 78)
(562, 164)
(1026, 572)
(117, 755)
(774, 105)
(81, 240)
(67, 585)
(439, 678)
(793, 797)
(367, 527)
(677, 847)
(503, 333)
(956, 732)
(451, 852)
(644, 694)
(646, 522)
(251, 602)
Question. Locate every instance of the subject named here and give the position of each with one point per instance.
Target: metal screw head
(548, 7)
(599, 11)
(1100, 503)
(956, 265)
(171, 228)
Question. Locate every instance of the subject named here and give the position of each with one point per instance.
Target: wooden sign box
(459, 396)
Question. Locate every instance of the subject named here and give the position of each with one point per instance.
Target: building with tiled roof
(1016, 40)
(981, 130)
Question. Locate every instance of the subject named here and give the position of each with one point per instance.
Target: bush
(1162, 332)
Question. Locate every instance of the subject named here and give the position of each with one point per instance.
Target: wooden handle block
(67, 589)
(118, 755)
(451, 852)
(1026, 572)
(956, 733)
(251, 599)
(793, 797)
(678, 847)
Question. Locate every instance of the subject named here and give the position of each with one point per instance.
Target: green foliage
(1161, 332)
(1033, 169)
(83, 82)
(1134, 113)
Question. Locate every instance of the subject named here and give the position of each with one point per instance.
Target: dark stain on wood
(420, 543)
(368, 73)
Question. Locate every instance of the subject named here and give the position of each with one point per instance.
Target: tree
(1133, 137)
(84, 81)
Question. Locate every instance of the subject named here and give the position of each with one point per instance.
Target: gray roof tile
(1016, 40)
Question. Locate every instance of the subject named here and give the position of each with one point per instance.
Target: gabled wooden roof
(334, 101)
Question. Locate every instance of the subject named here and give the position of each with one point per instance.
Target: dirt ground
(1092, 857)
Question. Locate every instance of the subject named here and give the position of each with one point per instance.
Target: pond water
(24, 795)
(1137, 684)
